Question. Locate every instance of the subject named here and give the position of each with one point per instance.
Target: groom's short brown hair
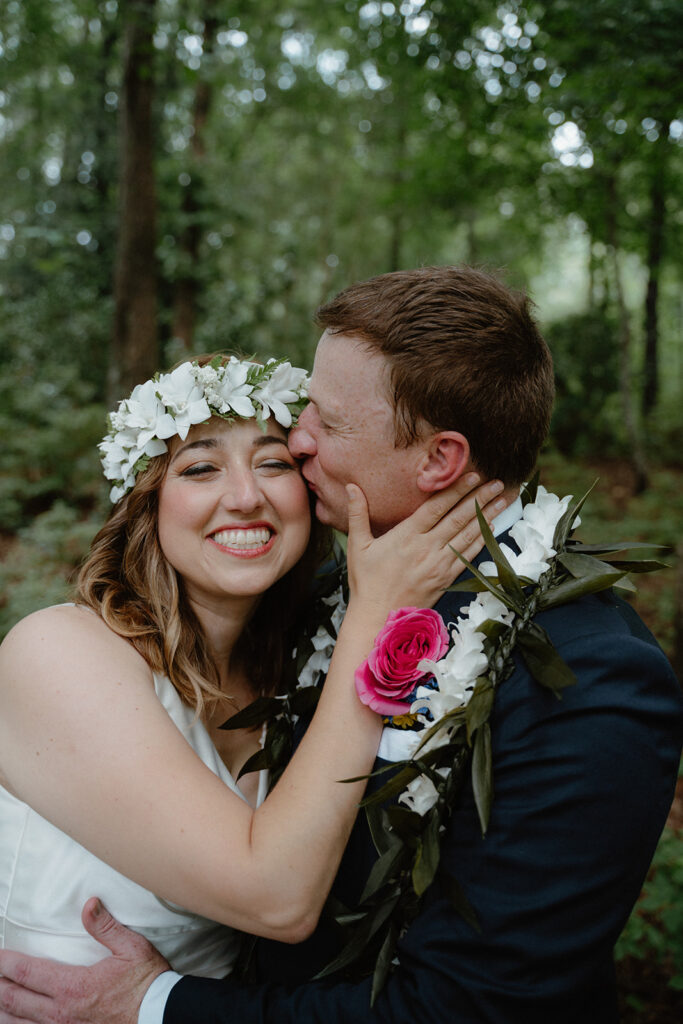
(465, 354)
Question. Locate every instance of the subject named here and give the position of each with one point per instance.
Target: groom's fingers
(121, 941)
(19, 1005)
(29, 971)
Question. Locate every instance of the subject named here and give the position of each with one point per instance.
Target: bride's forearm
(311, 799)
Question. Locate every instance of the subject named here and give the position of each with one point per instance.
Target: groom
(419, 377)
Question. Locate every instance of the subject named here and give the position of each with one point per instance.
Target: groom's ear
(446, 457)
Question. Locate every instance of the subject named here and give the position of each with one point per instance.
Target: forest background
(190, 176)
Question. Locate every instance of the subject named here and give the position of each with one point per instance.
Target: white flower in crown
(228, 389)
(184, 398)
(143, 415)
(281, 388)
(171, 403)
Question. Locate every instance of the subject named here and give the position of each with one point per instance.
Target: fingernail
(497, 486)
(498, 505)
(471, 479)
(97, 908)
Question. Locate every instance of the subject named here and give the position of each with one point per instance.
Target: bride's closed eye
(198, 469)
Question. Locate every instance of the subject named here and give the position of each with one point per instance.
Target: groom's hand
(109, 992)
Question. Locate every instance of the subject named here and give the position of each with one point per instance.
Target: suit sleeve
(582, 789)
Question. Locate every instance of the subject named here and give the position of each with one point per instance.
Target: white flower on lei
(319, 661)
(530, 563)
(421, 794)
(284, 386)
(455, 673)
(487, 606)
(534, 533)
(323, 643)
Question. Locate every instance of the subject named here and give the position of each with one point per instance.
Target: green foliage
(586, 416)
(39, 564)
(50, 429)
(655, 928)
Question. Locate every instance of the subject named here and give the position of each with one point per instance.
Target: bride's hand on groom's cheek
(109, 992)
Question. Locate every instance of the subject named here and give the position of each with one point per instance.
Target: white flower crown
(171, 403)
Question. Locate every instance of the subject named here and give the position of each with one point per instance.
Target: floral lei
(171, 403)
(445, 701)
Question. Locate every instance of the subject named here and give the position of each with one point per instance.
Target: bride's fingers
(437, 505)
(360, 534)
(491, 498)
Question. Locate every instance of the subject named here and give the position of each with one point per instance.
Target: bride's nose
(241, 492)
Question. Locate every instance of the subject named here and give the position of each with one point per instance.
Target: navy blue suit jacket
(582, 790)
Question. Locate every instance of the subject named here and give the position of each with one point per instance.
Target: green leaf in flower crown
(384, 961)
(542, 660)
(368, 927)
(255, 714)
(506, 576)
(482, 775)
(456, 894)
(566, 523)
(530, 490)
(427, 856)
(571, 590)
(304, 700)
(478, 709)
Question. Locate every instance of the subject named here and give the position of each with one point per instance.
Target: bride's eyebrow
(204, 442)
(268, 439)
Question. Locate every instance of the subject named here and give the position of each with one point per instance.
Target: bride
(116, 777)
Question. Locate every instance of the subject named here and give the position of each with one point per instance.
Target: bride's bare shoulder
(64, 635)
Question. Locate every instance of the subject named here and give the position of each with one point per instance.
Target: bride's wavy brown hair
(127, 580)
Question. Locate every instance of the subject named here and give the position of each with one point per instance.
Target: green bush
(587, 416)
(655, 928)
(50, 428)
(38, 568)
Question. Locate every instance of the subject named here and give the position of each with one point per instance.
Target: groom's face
(346, 435)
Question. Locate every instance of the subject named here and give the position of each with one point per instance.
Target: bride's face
(233, 510)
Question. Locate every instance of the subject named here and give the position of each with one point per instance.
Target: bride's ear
(446, 457)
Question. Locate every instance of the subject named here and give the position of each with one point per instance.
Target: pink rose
(391, 671)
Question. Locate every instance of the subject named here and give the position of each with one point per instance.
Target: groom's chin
(338, 519)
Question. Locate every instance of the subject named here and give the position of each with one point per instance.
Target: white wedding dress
(46, 877)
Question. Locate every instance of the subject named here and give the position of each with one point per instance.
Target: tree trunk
(630, 419)
(135, 338)
(677, 659)
(654, 258)
(186, 287)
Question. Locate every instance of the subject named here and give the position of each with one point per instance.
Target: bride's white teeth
(243, 539)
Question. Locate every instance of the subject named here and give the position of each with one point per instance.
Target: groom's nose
(301, 440)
